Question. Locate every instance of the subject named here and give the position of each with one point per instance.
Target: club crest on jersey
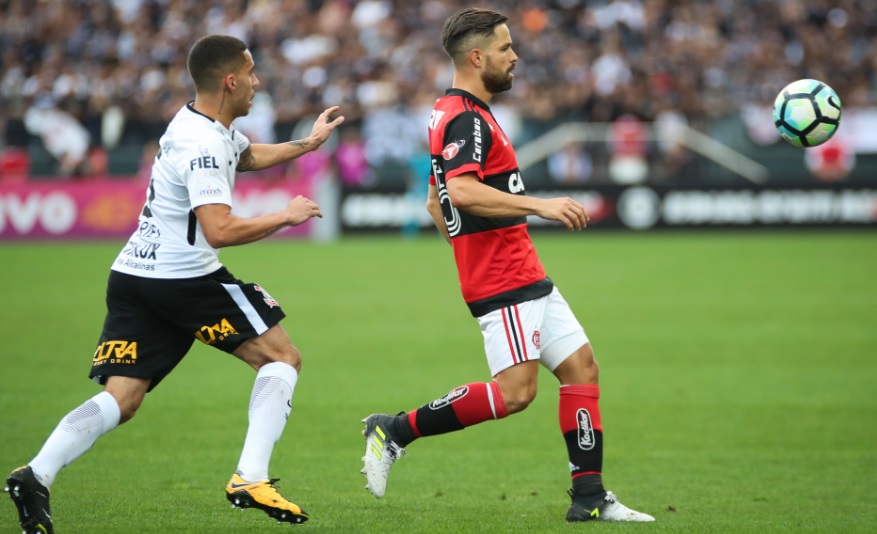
(451, 151)
(269, 300)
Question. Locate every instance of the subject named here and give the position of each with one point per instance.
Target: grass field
(738, 376)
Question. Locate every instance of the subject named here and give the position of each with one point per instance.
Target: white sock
(74, 435)
(270, 405)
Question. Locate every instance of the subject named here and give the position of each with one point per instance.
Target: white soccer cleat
(609, 509)
(615, 511)
(381, 451)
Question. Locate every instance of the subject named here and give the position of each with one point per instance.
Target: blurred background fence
(652, 96)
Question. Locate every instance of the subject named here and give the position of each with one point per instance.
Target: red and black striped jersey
(496, 261)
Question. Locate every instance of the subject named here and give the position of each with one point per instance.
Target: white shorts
(544, 329)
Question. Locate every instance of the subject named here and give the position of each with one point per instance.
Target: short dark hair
(463, 26)
(212, 57)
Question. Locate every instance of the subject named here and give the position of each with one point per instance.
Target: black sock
(404, 433)
(590, 485)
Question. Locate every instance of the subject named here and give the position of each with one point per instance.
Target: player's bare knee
(294, 359)
(128, 406)
(290, 357)
(518, 399)
(127, 411)
(580, 368)
(128, 393)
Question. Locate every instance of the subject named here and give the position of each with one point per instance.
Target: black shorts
(151, 323)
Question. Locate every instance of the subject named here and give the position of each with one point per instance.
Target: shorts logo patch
(115, 351)
(454, 395)
(536, 338)
(451, 151)
(215, 333)
(586, 430)
(269, 300)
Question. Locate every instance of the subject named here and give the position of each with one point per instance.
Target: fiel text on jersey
(204, 162)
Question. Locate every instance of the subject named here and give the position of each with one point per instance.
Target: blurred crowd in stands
(90, 78)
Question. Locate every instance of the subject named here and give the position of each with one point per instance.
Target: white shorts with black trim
(543, 329)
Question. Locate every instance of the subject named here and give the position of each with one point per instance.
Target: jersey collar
(215, 123)
(467, 95)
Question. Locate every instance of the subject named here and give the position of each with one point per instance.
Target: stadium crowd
(84, 74)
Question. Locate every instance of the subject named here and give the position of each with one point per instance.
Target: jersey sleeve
(208, 173)
(242, 142)
(466, 143)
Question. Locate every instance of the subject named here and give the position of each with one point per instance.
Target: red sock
(464, 406)
(579, 415)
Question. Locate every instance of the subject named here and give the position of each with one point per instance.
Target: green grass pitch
(738, 374)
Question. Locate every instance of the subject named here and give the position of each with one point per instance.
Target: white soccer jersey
(195, 165)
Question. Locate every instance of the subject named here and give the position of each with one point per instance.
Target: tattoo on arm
(247, 161)
(300, 143)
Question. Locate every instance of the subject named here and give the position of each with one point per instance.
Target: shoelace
(395, 450)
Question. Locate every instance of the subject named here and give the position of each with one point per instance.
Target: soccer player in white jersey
(167, 288)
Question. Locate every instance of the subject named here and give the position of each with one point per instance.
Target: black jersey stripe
(509, 298)
(522, 333)
(516, 337)
(509, 335)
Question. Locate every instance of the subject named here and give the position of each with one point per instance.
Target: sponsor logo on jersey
(449, 212)
(586, 430)
(454, 395)
(210, 192)
(476, 132)
(147, 229)
(143, 251)
(212, 334)
(435, 119)
(269, 300)
(204, 162)
(134, 264)
(115, 351)
(516, 183)
(536, 338)
(451, 151)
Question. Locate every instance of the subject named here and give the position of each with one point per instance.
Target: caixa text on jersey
(144, 251)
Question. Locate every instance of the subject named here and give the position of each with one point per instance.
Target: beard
(496, 80)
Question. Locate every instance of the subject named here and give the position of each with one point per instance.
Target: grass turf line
(737, 380)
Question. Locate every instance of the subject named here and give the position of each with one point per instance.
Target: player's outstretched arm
(224, 229)
(260, 156)
(469, 194)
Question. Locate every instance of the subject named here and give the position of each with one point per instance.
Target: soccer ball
(807, 113)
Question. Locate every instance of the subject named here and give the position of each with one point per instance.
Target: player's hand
(301, 209)
(323, 128)
(566, 210)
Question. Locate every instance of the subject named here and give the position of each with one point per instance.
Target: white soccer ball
(807, 113)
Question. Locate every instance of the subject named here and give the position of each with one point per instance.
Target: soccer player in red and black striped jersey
(477, 200)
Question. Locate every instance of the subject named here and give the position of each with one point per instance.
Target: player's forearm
(232, 230)
(484, 201)
(435, 211)
(263, 156)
